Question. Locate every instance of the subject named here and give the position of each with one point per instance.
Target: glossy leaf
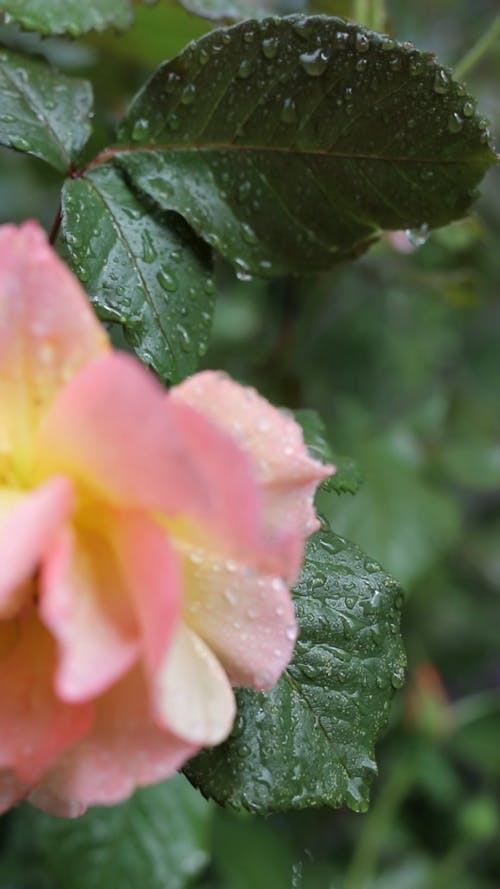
(348, 478)
(291, 143)
(159, 838)
(72, 17)
(43, 112)
(143, 270)
(310, 740)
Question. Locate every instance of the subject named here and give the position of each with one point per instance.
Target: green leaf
(348, 478)
(310, 740)
(158, 33)
(143, 270)
(227, 10)
(158, 839)
(43, 112)
(291, 143)
(72, 17)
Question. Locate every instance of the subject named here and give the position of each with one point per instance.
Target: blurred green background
(400, 353)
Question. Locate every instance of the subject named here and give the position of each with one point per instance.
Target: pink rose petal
(35, 726)
(193, 696)
(28, 524)
(47, 333)
(123, 750)
(152, 576)
(84, 604)
(247, 621)
(113, 430)
(274, 441)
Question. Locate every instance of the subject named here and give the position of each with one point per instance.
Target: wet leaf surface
(43, 112)
(290, 144)
(143, 270)
(72, 17)
(310, 740)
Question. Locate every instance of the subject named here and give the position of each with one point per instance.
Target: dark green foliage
(291, 143)
(143, 269)
(43, 112)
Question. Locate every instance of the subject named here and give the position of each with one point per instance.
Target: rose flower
(147, 544)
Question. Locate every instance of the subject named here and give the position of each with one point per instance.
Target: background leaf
(143, 270)
(72, 17)
(310, 740)
(159, 838)
(290, 143)
(43, 112)
(228, 10)
(398, 516)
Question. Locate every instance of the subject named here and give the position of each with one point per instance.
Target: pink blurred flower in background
(147, 545)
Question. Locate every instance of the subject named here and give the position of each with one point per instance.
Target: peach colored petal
(123, 750)
(152, 576)
(35, 726)
(274, 441)
(28, 524)
(113, 429)
(84, 603)
(47, 332)
(193, 696)
(248, 621)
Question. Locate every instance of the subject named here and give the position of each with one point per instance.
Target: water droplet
(362, 43)
(418, 236)
(455, 123)
(172, 121)
(341, 40)
(361, 64)
(185, 339)
(188, 94)
(248, 234)
(350, 603)
(166, 280)
(149, 253)
(441, 82)
(415, 65)
(203, 56)
(398, 678)
(245, 69)
(209, 286)
(172, 80)
(230, 596)
(314, 63)
(288, 111)
(468, 109)
(318, 581)
(270, 47)
(20, 143)
(303, 28)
